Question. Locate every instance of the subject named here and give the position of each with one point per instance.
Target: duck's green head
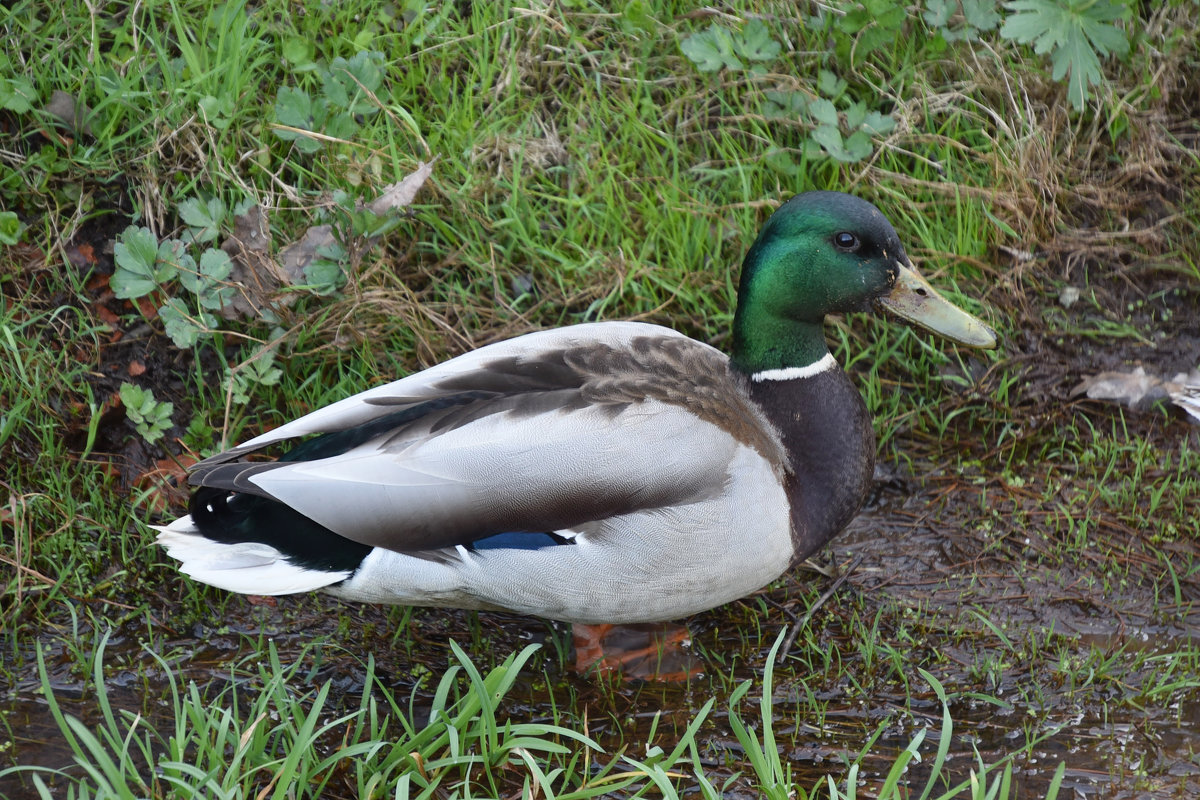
(826, 252)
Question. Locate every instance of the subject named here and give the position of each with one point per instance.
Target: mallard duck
(603, 472)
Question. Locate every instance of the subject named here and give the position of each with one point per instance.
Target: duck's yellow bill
(914, 300)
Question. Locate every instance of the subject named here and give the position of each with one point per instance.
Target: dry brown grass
(1106, 195)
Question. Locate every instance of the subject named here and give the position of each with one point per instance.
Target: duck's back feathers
(485, 367)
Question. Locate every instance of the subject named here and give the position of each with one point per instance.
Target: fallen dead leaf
(166, 483)
(148, 306)
(257, 276)
(402, 193)
(109, 317)
(295, 257)
(70, 111)
(81, 256)
(110, 470)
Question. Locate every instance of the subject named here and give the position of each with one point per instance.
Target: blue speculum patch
(520, 540)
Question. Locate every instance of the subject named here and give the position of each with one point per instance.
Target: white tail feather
(243, 567)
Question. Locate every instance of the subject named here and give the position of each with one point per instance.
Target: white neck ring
(794, 373)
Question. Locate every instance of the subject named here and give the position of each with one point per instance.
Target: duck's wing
(541, 433)
(429, 384)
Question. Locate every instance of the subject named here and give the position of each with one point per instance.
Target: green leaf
(204, 279)
(717, 48)
(872, 25)
(265, 374)
(215, 268)
(781, 162)
(347, 82)
(298, 53)
(855, 114)
(133, 397)
(788, 105)
(341, 126)
(1076, 57)
(1076, 33)
(151, 418)
(183, 328)
(307, 144)
(365, 36)
(755, 43)
(215, 265)
(203, 217)
(294, 107)
(173, 257)
(981, 15)
(710, 50)
(872, 39)
(367, 68)
(824, 112)
(135, 255)
(189, 274)
(137, 249)
(856, 19)
(878, 124)
(937, 13)
(830, 139)
(17, 95)
(217, 111)
(857, 147)
(259, 370)
(1107, 39)
(336, 91)
(829, 84)
(10, 228)
(324, 276)
(636, 16)
(977, 16)
(216, 297)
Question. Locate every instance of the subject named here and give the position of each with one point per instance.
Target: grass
(1028, 559)
(273, 731)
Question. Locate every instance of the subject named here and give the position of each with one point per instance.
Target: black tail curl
(231, 518)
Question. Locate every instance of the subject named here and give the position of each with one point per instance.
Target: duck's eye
(846, 241)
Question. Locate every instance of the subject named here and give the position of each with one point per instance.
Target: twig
(791, 638)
